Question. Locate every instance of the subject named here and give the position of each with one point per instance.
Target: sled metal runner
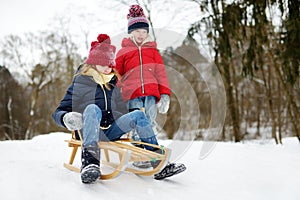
(126, 153)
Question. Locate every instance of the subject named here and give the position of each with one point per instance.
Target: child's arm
(161, 74)
(64, 107)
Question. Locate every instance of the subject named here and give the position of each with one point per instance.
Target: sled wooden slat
(126, 153)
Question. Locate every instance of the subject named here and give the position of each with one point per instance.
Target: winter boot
(170, 170)
(142, 164)
(90, 168)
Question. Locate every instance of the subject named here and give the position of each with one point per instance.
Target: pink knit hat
(137, 19)
(102, 52)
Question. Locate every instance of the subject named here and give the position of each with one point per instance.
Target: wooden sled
(126, 153)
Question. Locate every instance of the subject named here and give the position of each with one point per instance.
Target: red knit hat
(137, 18)
(102, 52)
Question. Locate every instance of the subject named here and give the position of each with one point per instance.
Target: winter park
(168, 99)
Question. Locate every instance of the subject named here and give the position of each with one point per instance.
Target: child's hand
(163, 104)
(73, 121)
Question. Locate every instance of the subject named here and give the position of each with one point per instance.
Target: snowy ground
(33, 170)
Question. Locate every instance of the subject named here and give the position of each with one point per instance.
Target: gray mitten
(73, 121)
(163, 104)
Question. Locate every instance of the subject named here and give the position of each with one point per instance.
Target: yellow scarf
(101, 79)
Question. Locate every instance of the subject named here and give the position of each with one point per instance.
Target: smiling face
(139, 35)
(103, 69)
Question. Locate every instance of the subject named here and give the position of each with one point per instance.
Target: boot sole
(166, 175)
(90, 175)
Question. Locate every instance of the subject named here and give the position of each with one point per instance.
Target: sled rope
(153, 159)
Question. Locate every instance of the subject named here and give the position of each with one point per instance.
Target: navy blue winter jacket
(85, 91)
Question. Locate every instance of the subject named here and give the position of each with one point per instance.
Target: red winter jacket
(142, 70)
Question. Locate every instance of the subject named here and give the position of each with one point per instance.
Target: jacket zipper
(105, 98)
(141, 69)
(106, 106)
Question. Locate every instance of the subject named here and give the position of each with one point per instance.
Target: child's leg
(134, 120)
(150, 109)
(135, 104)
(90, 131)
(90, 154)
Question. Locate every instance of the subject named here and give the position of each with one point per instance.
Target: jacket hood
(129, 42)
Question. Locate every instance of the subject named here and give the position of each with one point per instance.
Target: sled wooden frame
(126, 153)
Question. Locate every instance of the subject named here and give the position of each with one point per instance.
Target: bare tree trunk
(38, 83)
(29, 130)
(271, 105)
(11, 118)
(268, 88)
(279, 106)
(237, 132)
(292, 106)
(233, 110)
(258, 112)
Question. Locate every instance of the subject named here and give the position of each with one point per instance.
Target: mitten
(73, 121)
(163, 104)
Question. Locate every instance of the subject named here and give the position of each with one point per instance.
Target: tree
(247, 44)
(45, 59)
(12, 106)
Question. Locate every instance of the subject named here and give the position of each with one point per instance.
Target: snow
(33, 170)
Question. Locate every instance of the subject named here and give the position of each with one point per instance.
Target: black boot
(169, 170)
(90, 168)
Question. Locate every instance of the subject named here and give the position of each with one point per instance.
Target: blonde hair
(99, 78)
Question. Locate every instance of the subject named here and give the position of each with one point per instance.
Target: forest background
(253, 46)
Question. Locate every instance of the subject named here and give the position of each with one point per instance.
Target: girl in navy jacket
(94, 105)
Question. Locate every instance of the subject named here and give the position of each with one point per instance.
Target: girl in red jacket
(144, 79)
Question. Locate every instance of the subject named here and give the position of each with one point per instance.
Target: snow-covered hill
(33, 170)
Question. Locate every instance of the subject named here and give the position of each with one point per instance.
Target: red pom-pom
(94, 44)
(135, 11)
(103, 38)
